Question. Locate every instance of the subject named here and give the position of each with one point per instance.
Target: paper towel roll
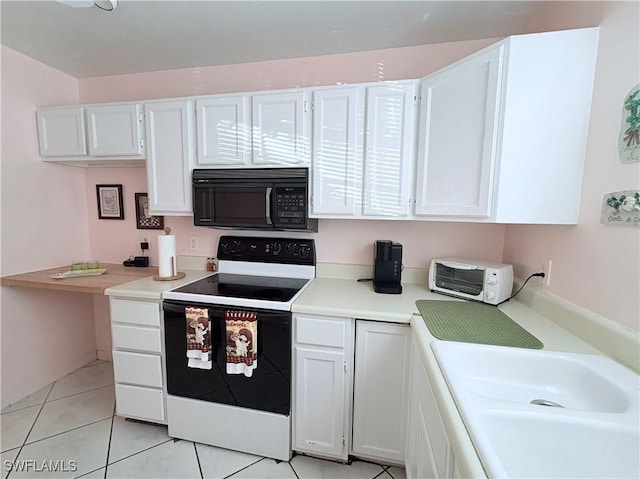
(167, 266)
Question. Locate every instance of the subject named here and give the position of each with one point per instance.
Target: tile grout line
(51, 389)
(197, 459)
(64, 432)
(83, 392)
(24, 442)
(106, 461)
(243, 468)
(295, 473)
(139, 452)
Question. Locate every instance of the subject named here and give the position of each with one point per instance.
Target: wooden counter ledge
(116, 274)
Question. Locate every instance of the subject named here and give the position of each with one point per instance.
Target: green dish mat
(470, 322)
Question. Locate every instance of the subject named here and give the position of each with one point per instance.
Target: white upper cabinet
(458, 133)
(363, 150)
(337, 151)
(170, 156)
(61, 132)
(281, 128)
(115, 130)
(503, 132)
(223, 126)
(389, 149)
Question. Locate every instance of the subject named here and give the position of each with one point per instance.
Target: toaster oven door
(466, 281)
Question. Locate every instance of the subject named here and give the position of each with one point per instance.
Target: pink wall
(375, 65)
(583, 266)
(596, 266)
(44, 210)
(337, 241)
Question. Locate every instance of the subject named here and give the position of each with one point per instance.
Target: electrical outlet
(546, 269)
(193, 243)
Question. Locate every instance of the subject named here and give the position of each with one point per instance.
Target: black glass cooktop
(245, 286)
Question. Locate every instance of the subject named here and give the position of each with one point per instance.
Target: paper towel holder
(175, 275)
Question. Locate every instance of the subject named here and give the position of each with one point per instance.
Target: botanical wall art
(110, 205)
(621, 208)
(629, 137)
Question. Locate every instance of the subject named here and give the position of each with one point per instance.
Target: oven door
(268, 389)
(233, 205)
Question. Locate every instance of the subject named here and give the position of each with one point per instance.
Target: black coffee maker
(387, 267)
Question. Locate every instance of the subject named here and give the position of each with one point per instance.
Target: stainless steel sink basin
(535, 413)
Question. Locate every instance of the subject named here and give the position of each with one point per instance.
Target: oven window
(461, 280)
(240, 205)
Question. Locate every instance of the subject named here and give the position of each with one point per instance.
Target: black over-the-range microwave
(256, 198)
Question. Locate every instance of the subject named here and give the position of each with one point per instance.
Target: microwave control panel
(290, 205)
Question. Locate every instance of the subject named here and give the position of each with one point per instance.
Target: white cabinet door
(61, 132)
(381, 389)
(458, 128)
(280, 128)
(320, 413)
(115, 130)
(390, 149)
(337, 151)
(170, 153)
(223, 125)
(429, 455)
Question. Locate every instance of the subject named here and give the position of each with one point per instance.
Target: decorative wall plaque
(629, 137)
(621, 208)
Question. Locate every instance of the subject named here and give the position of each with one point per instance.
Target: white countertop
(148, 288)
(353, 299)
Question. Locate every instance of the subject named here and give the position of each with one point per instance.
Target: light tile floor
(71, 425)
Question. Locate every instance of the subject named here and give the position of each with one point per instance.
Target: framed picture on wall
(110, 206)
(144, 221)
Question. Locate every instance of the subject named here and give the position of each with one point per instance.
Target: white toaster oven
(469, 279)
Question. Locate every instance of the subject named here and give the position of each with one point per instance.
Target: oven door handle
(267, 202)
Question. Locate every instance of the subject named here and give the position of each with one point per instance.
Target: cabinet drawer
(134, 337)
(136, 368)
(137, 402)
(135, 312)
(331, 332)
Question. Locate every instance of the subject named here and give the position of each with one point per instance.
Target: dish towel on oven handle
(242, 342)
(198, 337)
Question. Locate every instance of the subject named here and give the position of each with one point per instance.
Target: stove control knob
(276, 248)
(492, 280)
(304, 251)
(225, 247)
(237, 245)
(290, 248)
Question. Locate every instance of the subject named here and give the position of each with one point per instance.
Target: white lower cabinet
(138, 368)
(322, 376)
(351, 388)
(428, 455)
(381, 390)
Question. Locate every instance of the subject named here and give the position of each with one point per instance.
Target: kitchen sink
(537, 413)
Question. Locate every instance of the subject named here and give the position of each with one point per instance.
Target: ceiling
(140, 36)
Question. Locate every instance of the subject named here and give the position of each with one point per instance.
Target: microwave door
(242, 206)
